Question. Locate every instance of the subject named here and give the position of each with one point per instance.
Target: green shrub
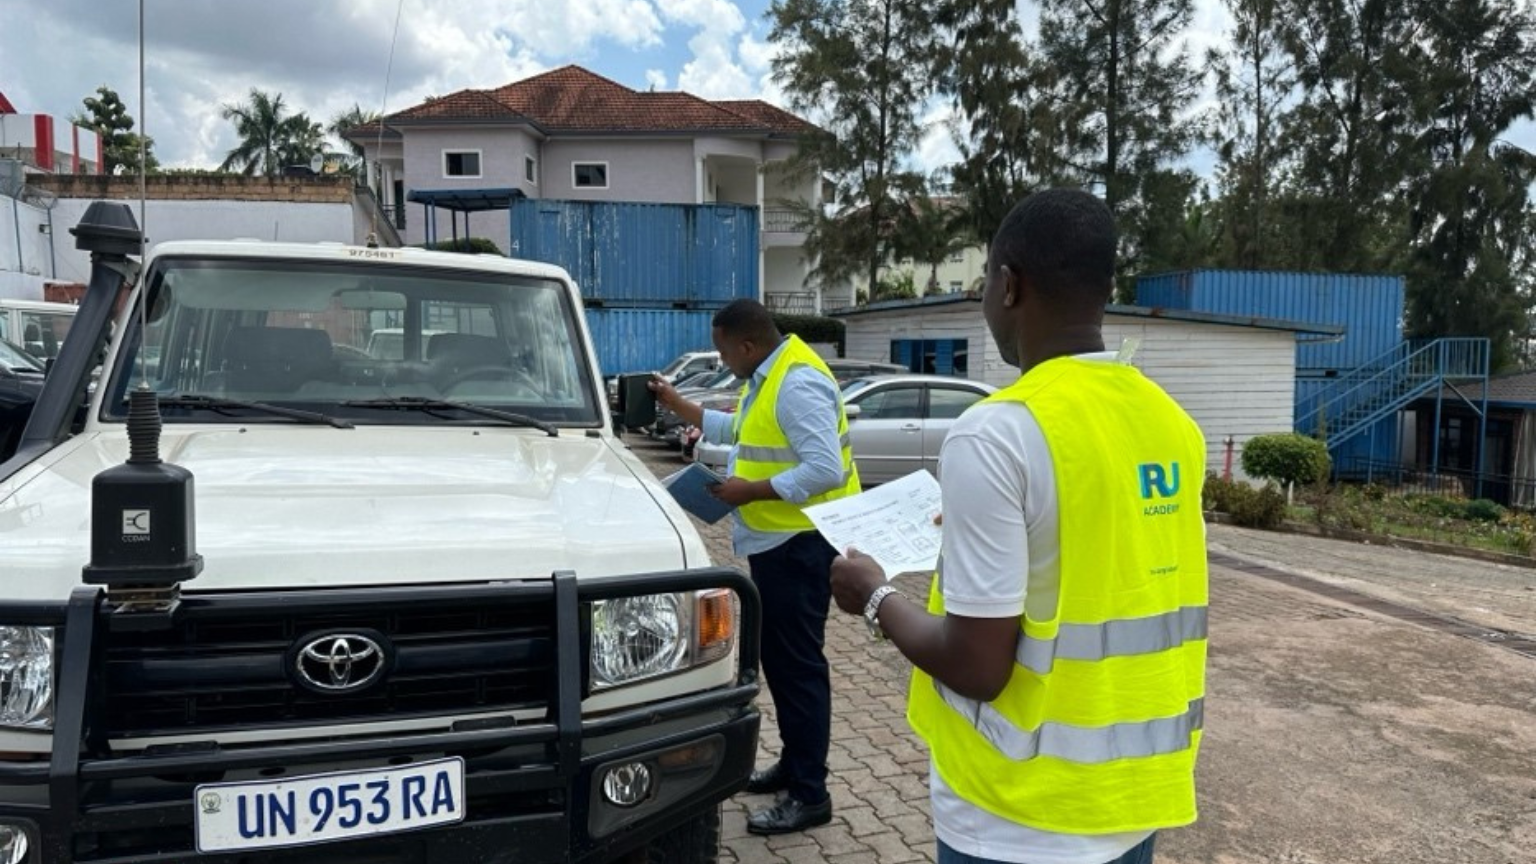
(812, 328)
(1249, 507)
(472, 245)
(1287, 459)
(1482, 510)
(1436, 506)
(1217, 493)
(1257, 508)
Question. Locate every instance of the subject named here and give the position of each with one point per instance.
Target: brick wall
(200, 187)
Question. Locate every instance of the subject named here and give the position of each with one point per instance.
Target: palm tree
(930, 231)
(268, 140)
(348, 120)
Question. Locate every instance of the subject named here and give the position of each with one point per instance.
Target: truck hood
(292, 506)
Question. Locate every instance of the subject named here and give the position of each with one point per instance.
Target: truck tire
(694, 842)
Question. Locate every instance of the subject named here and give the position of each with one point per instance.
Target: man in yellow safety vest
(1059, 675)
(791, 450)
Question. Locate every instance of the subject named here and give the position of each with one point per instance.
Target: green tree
(269, 139)
(346, 121)
(1122, 87)
(106, 114)
(985, 67)
(1357, 66)
(1471, 204)
(863, 65)
(1254, 79)
(930, 231)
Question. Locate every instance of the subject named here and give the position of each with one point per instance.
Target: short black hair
(747, 319)
(1063, 241)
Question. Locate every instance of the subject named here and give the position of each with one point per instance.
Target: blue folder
(690, 487)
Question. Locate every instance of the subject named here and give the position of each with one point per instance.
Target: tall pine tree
(1122, 88)
(983, 64)
(1351, 133)
(862, 66)
(1470, 195)
(1255, 81)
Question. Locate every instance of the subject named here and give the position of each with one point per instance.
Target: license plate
(321, 808)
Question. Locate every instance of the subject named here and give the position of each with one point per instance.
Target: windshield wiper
(422, 403)
(222, 405)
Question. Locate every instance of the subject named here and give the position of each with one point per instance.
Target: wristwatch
(872, 609)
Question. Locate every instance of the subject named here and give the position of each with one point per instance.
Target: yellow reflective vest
(1098, 729)
(763, 450)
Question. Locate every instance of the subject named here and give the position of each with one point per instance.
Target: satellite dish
(316, 162)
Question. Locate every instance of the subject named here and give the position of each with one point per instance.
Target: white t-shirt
(1000, 518)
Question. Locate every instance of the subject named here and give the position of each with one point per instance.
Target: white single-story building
(1235, 375)
(191, 207)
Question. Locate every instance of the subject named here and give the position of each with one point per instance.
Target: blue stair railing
(1387, 384)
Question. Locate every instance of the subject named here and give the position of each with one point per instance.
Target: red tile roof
(463, 105)
(772, 116)
(573, 99)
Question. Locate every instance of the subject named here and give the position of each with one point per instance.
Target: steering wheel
(494, 373)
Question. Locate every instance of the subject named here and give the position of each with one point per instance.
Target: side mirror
(852, 411)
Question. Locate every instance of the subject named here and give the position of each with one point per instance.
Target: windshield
(37, 332)
(855, 385)
(316, 335)
(17, 360)
(723, 378)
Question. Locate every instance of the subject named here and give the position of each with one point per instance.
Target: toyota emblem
(341, 662)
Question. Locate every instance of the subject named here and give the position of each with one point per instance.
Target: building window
(461, 163)
(956, 257)
(530, 169)
(955, 285)
(933, 356)
(589, 175)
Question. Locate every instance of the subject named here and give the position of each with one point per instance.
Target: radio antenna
(378, 152)
(143, 224)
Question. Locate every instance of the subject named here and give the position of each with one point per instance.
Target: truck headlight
(26, 677)
(636, 638)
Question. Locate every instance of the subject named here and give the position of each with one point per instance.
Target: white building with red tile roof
(571, 134)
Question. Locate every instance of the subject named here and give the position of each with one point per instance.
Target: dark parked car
(21, 379)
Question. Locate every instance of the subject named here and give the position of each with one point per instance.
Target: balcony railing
(778, 220)
(791, 303)
(395, 212)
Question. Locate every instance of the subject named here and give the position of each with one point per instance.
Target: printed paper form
(892, 523)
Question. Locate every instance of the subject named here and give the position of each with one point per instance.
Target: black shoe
(788, 815)
(772, 779)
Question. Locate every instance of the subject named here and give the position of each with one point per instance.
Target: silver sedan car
(897, 423)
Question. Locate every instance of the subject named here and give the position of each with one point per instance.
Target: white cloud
(714, 72)
(936, 148)
(656, 79)
(322, 57)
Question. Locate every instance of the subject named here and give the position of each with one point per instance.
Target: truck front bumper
(533, 791)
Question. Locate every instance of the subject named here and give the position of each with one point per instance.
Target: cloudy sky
(325, 56)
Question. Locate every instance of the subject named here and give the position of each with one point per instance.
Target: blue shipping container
(644, 255)
(643, 340)
(1370, 308)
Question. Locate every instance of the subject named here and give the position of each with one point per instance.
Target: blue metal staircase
(1387, 384)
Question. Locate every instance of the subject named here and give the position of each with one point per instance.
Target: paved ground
(1334, 734)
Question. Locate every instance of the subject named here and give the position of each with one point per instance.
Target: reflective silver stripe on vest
(1081, 744)
(760, 453)
(1126, 637)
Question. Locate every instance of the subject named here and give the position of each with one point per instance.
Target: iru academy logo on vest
(1159, 481)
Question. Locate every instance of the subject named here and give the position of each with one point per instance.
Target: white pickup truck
(440, 614)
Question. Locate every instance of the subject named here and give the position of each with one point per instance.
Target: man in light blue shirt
(792, 569)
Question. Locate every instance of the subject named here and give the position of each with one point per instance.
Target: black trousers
(795, 583)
